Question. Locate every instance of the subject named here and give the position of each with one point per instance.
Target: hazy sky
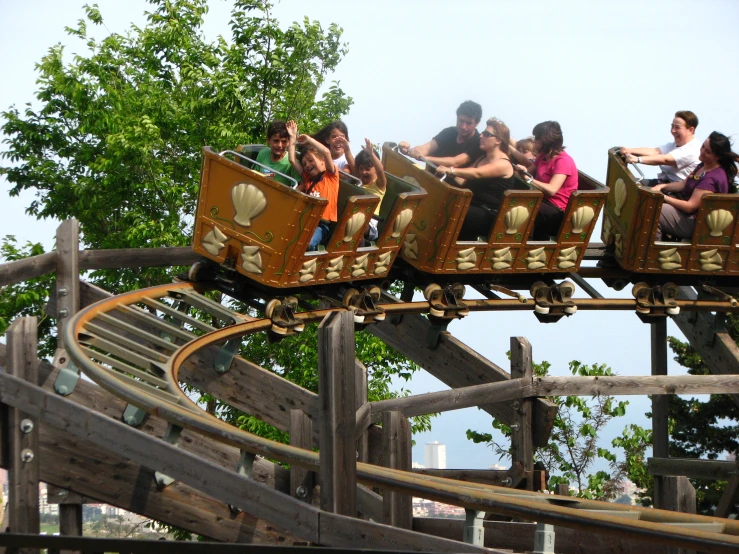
(610, 73)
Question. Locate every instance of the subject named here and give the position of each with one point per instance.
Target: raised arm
(347, 153)
(292, 131)
(324, 152)
(377, 164)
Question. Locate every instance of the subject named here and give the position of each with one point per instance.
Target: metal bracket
(544, 539)
(172, 436)
(657, 301)
(553, 301)
(226, 355)
(245, 468)
(364, 304)
(133, 415)
(282, 314)
(68, 373)
(474, 531)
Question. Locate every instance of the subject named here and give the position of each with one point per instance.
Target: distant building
(435, 455)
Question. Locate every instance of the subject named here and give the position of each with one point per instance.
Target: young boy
(368, 168)
(320, 178)
(276, 156)
(526, 147)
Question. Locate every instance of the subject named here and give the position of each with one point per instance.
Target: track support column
(301, 436)
(337, 407)
(396, 454)
(23, 434)
(660, 434)
(522, 455)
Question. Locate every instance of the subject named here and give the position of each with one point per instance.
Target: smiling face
(681, 132)
(367, 174)
(465, 127)
(335, 143)
(278, 147)
(706, 154)
(313, 164)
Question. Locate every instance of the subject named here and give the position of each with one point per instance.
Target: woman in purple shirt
(715, 173)
(555, 174)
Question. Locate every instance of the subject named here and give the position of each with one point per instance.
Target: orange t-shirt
(328, 188)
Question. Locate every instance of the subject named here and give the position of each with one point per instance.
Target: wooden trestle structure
(133, 439)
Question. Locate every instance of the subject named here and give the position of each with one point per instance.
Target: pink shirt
(561, 164)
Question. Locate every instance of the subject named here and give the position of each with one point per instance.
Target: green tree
(574, 445)
(704, 430)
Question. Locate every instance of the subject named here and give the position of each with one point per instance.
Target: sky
(610, 73)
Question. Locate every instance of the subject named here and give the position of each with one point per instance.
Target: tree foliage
(574, 446)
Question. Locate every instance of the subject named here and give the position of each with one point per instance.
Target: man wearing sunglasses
(677, 159)
(456, 146)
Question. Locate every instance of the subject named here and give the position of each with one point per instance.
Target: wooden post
(521, 437)
(23, 434)
(361, 398)
(396, 454)
(660, 435)
(337, 408)
(676, 494)
(563, 489)
(301, 435)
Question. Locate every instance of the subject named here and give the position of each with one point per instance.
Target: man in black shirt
(456, 146)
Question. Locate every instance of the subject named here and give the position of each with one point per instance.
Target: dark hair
(471, 109)
(526, 144)
(309, 148)
(324, 134)
(550, 135)
(721, 148)
(502, 132)
(690, 119)
(363, 159)
(277, 127)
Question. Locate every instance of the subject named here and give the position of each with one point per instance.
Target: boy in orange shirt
(320, 178)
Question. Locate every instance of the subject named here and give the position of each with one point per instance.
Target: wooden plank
(522, 446)
(337, 408)
(67, 274)
(229, 487)
(396, 433)
(481, 476)
(660, 432)
(27, 268)
(138, 257)
(23, 433)
(457, 365)
(692, 468)
(444, 401)
(626, 385)
(519, 537)
(716, 347)
(362, 387)
(301, 436)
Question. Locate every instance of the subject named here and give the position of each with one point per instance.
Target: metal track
(134, 345)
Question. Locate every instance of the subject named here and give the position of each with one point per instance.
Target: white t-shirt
(341, 162)
(686, 160)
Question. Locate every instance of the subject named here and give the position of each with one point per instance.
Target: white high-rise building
(435, 455)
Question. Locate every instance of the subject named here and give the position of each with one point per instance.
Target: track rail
(134, 344)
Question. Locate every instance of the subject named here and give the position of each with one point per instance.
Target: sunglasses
(488, 134)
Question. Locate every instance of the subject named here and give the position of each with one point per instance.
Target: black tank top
(489, 190)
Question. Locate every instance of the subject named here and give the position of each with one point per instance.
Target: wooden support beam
(729, 499)
(482, 476)
(362, 387)
(138, 257)
(716, 347)
(522, 446)
(337, 408)
(692, 468)
(396, 448)
(27, 268)
(457, 365)
(301, 436)
(67, 274)
(23, 433)
(302, 520)
(660, 433)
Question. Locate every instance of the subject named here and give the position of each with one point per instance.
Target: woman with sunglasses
(488, 178)
(715, 173)
(554, 174)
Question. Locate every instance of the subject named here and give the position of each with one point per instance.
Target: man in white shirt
(677, 159)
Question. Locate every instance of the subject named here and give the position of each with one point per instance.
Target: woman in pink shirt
(555, 174)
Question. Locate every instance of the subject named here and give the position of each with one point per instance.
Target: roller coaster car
(431, 246)
(250, 223)
(630, 226)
